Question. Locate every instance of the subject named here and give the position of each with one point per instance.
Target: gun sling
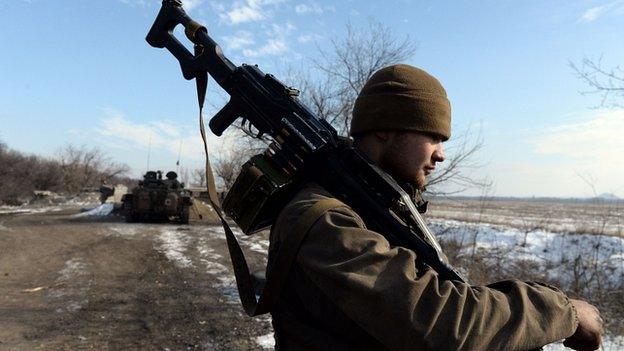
(286, 253)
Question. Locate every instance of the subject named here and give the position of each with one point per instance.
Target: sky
(80, 72)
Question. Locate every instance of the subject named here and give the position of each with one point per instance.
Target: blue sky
(81, 72)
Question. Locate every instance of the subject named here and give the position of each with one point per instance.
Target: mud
(101, 284)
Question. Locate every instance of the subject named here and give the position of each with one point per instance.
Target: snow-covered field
(546, 248)
(554, 253)
(588, 217)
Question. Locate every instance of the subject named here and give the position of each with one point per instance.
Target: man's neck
(369, 149)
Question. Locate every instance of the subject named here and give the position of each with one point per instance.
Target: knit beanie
(403, 98)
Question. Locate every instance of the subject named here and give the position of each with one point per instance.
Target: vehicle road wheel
(184, 215)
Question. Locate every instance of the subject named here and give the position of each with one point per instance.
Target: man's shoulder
(307, 196)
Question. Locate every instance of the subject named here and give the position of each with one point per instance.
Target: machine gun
(303, 148)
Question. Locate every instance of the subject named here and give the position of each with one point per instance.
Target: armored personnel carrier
(156, 198)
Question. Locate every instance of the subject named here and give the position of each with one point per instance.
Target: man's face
(411, 156)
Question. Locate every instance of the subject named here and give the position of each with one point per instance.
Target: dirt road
(101, 284)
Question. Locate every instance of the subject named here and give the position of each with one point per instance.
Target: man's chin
(416, 184)
(419, 182)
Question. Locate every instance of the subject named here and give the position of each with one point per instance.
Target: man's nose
(438, 154)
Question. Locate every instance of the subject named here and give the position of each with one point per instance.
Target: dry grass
(585, 276)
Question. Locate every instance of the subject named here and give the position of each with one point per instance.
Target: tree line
(70, 171)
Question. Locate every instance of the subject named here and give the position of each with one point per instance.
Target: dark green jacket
(350, 290)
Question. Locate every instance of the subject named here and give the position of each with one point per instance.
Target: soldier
(106, 190)
(350, 290)
(172, 177)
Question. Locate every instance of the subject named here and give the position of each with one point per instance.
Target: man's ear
(382, 136)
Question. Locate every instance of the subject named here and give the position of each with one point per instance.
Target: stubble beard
(399, 169)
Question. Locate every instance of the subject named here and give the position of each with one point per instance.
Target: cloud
(242, 15)
(593, 146)
(549, 161)
(217, 6)
(593, 13)
(313, 7)
(249, 11)
(281, 30)
(240, 40)
(265, 39)
(308, 8)
(275, 42)
(272, 47)
(188, 5)
(191, 4)
(597, 139)
(306, 38)
(134, 2)
(161, 136)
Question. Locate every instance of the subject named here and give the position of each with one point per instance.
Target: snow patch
(174, 245)
(100, 211)
(227, 287)
(72, 286)
(257, 247)
(266, 341)
(28, 210)
(209, 258)
(8, 209)
(226, 282)
(127, 230)
(543, 247)
(72, 269)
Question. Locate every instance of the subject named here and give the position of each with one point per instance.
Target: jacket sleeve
(379, 287)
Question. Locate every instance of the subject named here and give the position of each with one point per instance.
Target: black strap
(286, 253)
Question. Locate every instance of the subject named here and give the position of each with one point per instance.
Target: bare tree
(608, 83)
(82, 167)
(342, 72)
(485, 200)
(199, 177)
(20, 174)
(228, 165)
(529, 225)
(73, 169)
(452, 177)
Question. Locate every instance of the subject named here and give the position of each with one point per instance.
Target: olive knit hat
(402, 97)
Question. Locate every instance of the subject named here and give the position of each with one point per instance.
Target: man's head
(400, 120)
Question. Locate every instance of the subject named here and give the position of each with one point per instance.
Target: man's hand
(588, 334)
